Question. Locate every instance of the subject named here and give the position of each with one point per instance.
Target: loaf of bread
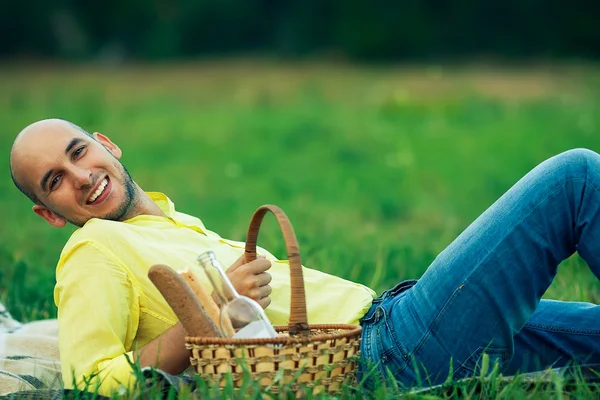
(206, 301)
(183, 301)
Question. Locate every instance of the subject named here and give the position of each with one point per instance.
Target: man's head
(70, 175)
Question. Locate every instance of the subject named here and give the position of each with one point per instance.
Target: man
(108, 309)
(482, 294)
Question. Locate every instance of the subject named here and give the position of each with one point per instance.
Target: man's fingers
(263, 279)
(258, 293)
(264, 302)
(248, 279)
(258, 266)
(241, 261)
(265, 291)
(238, 263)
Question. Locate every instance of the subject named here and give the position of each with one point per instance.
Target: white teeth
(98, 191)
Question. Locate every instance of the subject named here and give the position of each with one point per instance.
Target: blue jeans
(482, 293)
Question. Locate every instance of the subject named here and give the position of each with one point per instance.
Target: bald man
(45, 154)
(46, 164)
(481, 295)
(108, 309)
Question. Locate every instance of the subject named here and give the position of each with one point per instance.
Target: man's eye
(78, 152)
(55, 181)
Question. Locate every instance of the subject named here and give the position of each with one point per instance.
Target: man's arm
(167, 352)
(98, 318)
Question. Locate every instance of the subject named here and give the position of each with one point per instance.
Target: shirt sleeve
(98, 317)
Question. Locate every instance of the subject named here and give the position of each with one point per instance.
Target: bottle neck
(218, 278)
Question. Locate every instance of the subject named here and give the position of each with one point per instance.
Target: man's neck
(146, 206)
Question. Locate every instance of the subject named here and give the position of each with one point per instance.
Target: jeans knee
(581, 163)
(579, 157)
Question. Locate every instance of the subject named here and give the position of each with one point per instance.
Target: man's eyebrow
(44, 180)
(72, 144)
(69, 147)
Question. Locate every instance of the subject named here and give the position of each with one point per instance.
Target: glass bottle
(245, 314)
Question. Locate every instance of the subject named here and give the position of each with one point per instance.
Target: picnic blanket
(29, 358)
(30, 362)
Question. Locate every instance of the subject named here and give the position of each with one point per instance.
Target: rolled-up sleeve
(98, 317)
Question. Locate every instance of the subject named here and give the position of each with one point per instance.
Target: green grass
(378, 168)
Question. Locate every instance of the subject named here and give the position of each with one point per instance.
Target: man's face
(76, 177)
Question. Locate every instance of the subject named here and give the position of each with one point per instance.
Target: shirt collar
(163, 202)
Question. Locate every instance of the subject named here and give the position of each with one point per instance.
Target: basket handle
(298, 324)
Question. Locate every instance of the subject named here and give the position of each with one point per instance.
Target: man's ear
(49, 216)
(110, 146)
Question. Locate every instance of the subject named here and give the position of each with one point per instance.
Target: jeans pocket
(472, 366)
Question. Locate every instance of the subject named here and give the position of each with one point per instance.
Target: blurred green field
(378, 168)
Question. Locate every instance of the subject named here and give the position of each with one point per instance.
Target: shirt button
(378, 313)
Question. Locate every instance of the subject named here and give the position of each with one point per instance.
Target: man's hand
(252, 279)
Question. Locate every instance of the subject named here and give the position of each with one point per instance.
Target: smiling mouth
(98, 191)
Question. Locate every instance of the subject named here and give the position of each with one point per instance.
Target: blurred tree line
(357, 29)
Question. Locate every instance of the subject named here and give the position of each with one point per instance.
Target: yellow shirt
(107, 306)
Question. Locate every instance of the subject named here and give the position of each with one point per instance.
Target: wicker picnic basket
(319, 357)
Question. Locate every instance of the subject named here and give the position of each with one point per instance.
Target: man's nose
(82, 177)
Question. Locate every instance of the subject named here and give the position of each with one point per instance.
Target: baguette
(207, 302)
(182, 300)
